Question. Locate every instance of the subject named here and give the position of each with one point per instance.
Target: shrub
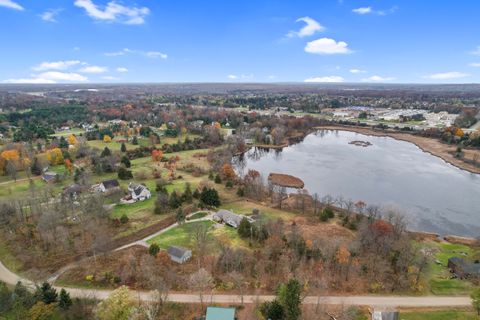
(229, 184)
(124, 219)
(154, 249)
(124, 174)
(218, 179)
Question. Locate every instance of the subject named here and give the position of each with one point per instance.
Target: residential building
(49, 176)
(385, 315)
(179, 254)
(106, 186)
(464, 269)
(139, 192)
(230, 218)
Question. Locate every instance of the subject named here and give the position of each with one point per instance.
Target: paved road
(383, 301)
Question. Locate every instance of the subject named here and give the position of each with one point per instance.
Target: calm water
(434, 195)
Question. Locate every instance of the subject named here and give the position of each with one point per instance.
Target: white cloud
(232, 77)
(61, 76)
(156, 54)
(149, 54)
(446, 75)
(50, 15)
(31, 80)
(327, 46)
(10, 4)
(309, 29)
(122, 69)
(242, 76)
(476, 52)
(377, 79)
(93, 69)
(474, 64)
(363, 10)
(50, 77)
(56, 65)
(357, 71)
(325, 79)
(114, 12)
(369, 10)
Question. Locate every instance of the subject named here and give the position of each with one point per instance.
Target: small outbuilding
(49, 176)
(179, 254)
(464, 269)
(216, 313)
(385, 315)
(106, 186)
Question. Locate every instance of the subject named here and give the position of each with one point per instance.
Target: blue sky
(67, 41)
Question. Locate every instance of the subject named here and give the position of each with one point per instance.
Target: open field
(438, 315)
(440, 281)
(66, 133)
(179, 236)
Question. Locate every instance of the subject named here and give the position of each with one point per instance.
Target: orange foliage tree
(227, 172)
(68, 165)
(157, 155)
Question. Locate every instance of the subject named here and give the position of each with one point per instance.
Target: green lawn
(8, 259)
(438, 315)
(439, 275)
(179, 236)
(75, 131)
(245, 207)
(198, 215)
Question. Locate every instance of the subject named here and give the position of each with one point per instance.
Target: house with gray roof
(139, 192)
(179, 254)
(230, 218)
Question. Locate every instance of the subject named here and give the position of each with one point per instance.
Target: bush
(154, 249)
(229, 184)
(124, 219)
(126, 162)
(218, 179)
(209, 197)
(124, 174)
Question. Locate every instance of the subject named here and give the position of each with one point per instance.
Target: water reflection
(435, 195)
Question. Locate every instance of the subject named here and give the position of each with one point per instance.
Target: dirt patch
(286, 180)
(312, 231)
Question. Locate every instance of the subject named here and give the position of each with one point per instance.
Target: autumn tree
(157, 155)
(107, 138)
(118, 306)
(72, 140)
(227, 172)
(55, 156)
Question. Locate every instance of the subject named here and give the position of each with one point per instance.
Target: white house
(107, 185)
(139, 192)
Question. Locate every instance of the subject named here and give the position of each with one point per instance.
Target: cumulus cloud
(122, 69)
(56, 65)
(309, 29)
(114, 12)
(355, 71)
(327, 46)
(51, 77)
(325, 79)
(93, 69)
(377, 79)
(11, 5)
(29, 80)
(50, 15)
(232, 77)
(446, 75)
(369, 10)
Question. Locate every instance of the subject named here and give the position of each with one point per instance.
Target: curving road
(382, 301)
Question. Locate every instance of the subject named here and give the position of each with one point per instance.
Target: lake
(433, 195)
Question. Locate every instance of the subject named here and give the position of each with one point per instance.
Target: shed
(49, 176)
(216, 313)
(385, 315)
(179, 254)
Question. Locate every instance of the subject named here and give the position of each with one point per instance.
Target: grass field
(245, 207)
(439, 275)
(179, 236)
(438, 315)
(75, 131)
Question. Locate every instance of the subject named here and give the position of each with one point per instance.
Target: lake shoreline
(428, 145)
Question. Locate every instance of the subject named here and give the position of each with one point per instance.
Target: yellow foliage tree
(55, 156)
(217, 125)
(72, 139)
(459, 132)
(118, 306)
(11, 155)
(107, 138)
